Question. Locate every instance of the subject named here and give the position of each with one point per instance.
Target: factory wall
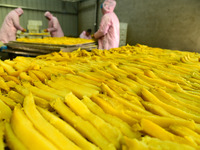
(86, 15)
(66, 13)
(172, 24)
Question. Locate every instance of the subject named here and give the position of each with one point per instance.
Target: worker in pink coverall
(108, 33)
(86, 34)
(54, 26)
(11, 25)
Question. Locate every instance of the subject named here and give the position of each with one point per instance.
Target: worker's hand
(45, 30)
(92, 36)
(24, 30)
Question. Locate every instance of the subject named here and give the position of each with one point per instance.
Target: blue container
(3, 48)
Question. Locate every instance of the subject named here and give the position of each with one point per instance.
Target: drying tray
(36, 49)
(57, 45)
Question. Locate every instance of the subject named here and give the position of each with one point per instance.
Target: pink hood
(48, 15)
(19, 11)
(109, 6)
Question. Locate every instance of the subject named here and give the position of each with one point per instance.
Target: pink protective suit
(84, 36)
(54, 26)
(108, 33)
(10, 26)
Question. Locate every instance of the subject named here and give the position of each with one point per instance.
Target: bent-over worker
(54, 26)
(10, 26)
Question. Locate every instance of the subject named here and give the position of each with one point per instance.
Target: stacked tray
(35, 49)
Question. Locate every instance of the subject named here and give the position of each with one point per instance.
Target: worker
(108, 33)
(10, 26)
(54, 26)
(86, 34)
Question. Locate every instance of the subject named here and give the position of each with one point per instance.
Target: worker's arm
(55, 25)
(16, 23)
(104, 26)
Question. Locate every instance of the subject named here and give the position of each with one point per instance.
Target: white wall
(86, 15)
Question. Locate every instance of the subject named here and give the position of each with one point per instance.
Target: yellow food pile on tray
(129, 98)
(38, 33)
(57, 40)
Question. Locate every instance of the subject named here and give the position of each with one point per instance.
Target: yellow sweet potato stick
(9, 102)
(18, 98)
(77, 122)
(175, 111)
(112, 134)
(24, 76)
(2, 128)
(43, 126)
(39, 101)
(4, 86)
(12, 141)
(40, 75)
(156, 131)
(115, 121)
(110, 110)
(42, 86)
(5, 112)
(27, 134)
(67, 130)
(40, 93)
